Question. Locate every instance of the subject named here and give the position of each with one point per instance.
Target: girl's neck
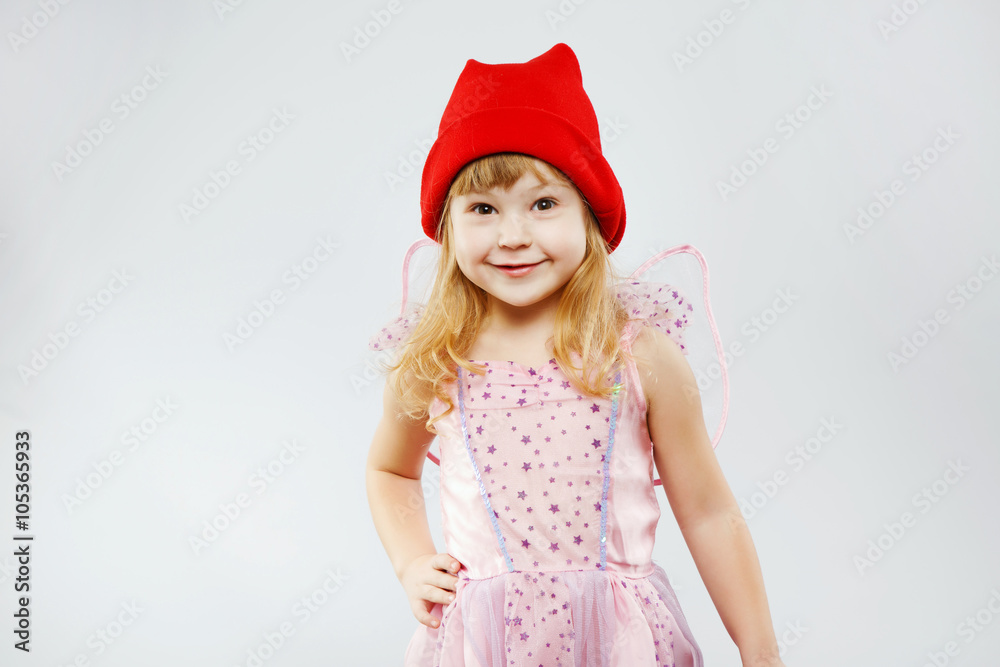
(521, 334)
(536, 321)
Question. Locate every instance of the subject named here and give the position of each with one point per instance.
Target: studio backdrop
(204, 207)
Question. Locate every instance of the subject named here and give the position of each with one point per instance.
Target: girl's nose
(513, 231)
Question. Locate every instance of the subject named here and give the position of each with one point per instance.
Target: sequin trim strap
(607, 478)
(482, 487)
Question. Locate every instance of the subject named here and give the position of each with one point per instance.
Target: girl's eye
(478, 209)
(545, 204)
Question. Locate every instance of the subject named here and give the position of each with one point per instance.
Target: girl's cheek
(479, 243)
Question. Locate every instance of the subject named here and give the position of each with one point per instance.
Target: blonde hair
(589, 318)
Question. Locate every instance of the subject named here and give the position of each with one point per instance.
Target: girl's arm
(396, 499)
(706, 510)
(392, 479)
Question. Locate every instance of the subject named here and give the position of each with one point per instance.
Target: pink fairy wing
(398, 330)
(657, 305)
(395, 332)
(677, 301)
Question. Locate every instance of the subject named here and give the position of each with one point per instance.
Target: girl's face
(534, 223)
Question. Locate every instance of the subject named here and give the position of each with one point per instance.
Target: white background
(305, 374)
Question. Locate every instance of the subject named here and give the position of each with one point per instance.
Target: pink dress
(548, 502)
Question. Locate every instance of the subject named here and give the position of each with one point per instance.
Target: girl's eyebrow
(540, 186)
(549, 184)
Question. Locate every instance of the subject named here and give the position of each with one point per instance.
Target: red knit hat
(538, 108)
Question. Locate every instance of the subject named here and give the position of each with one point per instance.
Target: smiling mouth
(517, 270)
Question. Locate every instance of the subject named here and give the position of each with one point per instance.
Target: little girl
(553, 390)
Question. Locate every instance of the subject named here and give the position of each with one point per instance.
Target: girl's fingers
(446, 562)
(439, 589)
(422, 611)
(425, 617)
(444, 580)
(435, 594)
(445, 573)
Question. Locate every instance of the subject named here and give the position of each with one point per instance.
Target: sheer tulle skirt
(578, 618)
